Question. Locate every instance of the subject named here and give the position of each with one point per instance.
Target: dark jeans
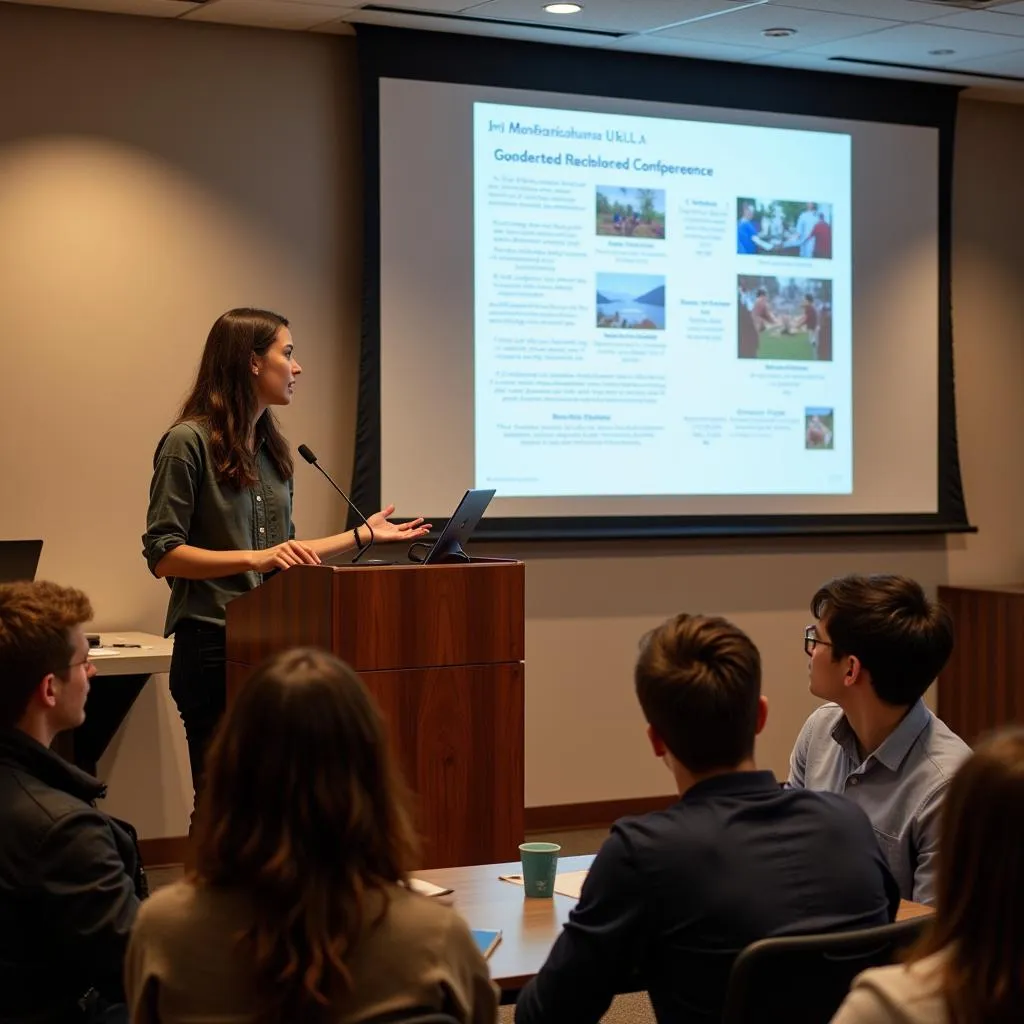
(198, 687)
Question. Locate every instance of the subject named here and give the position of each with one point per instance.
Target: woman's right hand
(284, 556)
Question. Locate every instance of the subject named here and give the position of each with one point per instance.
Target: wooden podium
(982, 686)
(441, 649)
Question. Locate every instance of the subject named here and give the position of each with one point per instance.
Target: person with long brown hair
(969, 966)
(220, 506)
(298, 908)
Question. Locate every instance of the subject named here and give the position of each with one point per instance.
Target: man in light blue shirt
(876, 647)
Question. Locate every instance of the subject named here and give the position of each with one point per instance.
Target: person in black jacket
(70, 878)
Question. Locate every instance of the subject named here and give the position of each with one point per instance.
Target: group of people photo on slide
(784, 317)
(778, 317)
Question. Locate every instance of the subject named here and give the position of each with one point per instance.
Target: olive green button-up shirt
(187, 505)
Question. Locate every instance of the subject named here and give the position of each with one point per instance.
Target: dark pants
(198, 687)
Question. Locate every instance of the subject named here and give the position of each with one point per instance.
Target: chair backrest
(802, 979)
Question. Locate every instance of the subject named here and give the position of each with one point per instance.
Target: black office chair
(802, 979)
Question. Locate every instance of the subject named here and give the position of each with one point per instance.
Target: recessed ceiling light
(778, 33)
(563, 8)
(941, 53)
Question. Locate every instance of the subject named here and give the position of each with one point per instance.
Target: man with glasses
(70, 879)
(877, 645)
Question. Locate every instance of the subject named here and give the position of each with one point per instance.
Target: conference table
(528, 927)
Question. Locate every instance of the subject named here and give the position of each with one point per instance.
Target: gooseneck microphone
(311, 459)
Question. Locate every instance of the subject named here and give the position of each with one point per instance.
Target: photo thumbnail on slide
(630, 212)
(783, 227)
(818, 429)
(635, 301)
(784, 318)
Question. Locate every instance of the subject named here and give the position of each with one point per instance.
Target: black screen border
(475, 60)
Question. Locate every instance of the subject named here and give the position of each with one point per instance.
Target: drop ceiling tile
(492, 29)
(811, 62)
(983, 21)
(338, 7)
(913, 44)
(605, 15)
(745, 27)
(892, 10)
(429, 6)
(688, 48)
(341, 27)
(1004, 64)
(149, 8)
(264, 13)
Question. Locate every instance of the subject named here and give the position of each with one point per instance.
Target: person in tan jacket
(967, 969)
(298, 907)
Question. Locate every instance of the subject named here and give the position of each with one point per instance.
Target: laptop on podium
(464, 520)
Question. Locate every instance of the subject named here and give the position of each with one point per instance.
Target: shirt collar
(893, 750)
(20, 750)
(733, 783)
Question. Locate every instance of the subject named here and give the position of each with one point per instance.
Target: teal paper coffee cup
(540, 862)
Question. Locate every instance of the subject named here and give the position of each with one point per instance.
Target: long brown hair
(303, 808)
(223, 398)
(979, 905)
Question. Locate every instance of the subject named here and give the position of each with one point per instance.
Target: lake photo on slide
(635, 301)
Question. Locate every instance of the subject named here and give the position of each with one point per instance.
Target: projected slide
(661, 307)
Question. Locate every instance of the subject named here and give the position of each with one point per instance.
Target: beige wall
(153, 174)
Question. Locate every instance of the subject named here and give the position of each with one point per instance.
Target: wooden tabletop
(529, 927)
(148, 655)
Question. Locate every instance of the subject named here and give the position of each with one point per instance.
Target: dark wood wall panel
(982, 686)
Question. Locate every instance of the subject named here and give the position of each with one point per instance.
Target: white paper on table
(104, 652)
(567, 883)
(425, 888)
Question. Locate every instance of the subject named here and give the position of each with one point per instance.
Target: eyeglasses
(86, 661)
(811, 640)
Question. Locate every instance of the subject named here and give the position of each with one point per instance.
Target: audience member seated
(70, 878)
(877, 645)
(674, 896)
(967, 969)
(297, 908)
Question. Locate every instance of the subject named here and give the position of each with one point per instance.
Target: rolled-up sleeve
(172, 495)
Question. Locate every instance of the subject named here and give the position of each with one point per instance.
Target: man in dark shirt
(69, 875)
(673, 896)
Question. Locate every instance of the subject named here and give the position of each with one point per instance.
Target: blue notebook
(486, 940)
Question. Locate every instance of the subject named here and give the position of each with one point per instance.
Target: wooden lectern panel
(291, 609)
(441, 648)
(458, 736)
(385, 617)
(982, 685)
(421, 616)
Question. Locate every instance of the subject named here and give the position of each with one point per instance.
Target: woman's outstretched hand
(384, 531)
